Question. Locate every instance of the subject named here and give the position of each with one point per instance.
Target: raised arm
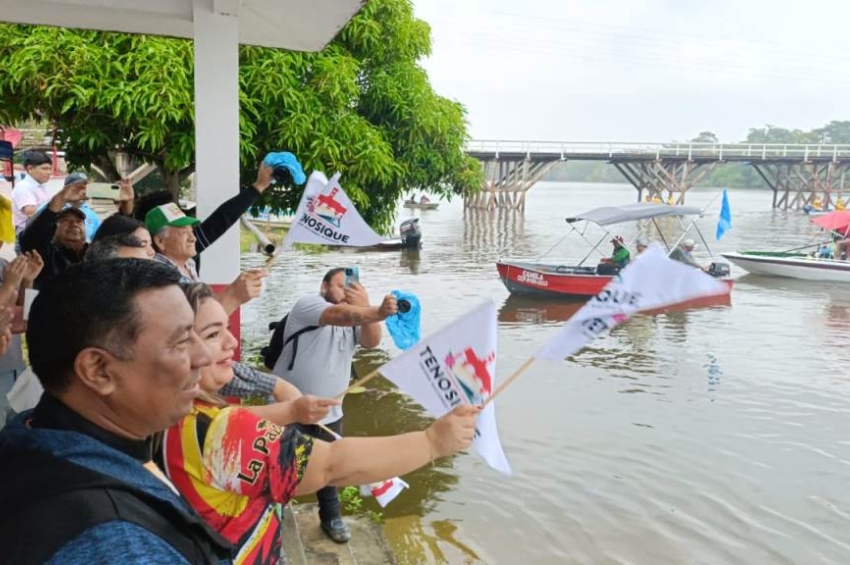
(229, 212)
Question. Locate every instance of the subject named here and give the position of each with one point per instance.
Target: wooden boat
(584, 281)
(791, 265)
(420, 206)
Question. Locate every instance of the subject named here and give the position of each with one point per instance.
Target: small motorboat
(584, 281)
(421, 206)
(791, 265)
(821, 265)
(410, 237)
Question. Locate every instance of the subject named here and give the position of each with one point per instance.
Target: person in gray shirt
(332, 325)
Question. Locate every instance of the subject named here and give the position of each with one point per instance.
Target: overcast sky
(632, 70)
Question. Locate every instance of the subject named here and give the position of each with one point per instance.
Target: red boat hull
(557, 280)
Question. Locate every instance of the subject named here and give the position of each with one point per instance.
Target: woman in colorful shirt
(234, 467)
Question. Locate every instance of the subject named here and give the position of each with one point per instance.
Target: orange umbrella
(838, 221)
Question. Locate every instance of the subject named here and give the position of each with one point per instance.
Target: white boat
(791, 265)
(421, 206)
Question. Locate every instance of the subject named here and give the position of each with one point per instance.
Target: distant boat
(804, 266)
(420, 206)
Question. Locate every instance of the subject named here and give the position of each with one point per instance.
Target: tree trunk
(172, 182)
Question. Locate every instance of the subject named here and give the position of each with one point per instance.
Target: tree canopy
(363, 106)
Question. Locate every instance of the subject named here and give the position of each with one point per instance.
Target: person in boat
(234, 467)
(412, 199)
(620, 257)
(842, 245)
(839, 204)
(684, 254)
(640, 245)
(424, 200)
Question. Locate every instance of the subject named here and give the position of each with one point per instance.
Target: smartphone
(352, 275)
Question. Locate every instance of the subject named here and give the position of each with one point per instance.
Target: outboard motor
(719, 270)
(411, 235)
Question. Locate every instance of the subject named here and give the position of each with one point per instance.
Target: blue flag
(725, 220)
(404, 327)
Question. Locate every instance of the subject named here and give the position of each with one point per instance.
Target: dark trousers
(327, 497)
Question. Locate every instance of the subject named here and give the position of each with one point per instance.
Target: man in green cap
(174, 239)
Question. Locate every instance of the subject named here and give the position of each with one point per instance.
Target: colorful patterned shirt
(233, 467)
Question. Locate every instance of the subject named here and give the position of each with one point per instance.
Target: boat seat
(607, 269)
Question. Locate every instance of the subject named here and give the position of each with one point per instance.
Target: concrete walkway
(306, 544)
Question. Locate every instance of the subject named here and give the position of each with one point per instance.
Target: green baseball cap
(167, 215)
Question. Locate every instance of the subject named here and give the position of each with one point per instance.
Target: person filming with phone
(320, 336)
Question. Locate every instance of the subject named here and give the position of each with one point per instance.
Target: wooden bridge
(797, 174)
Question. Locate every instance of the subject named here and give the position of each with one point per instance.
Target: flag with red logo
(650, 281)
(454, 366)
(326, 215)
(385, 491)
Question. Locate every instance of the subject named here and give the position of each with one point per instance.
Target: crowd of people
(139, 450)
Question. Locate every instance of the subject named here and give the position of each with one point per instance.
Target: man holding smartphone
(322, 332)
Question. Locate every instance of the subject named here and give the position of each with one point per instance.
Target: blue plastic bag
(405, 327)
(288, 161)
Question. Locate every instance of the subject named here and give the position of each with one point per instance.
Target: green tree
(363, 106)
(706, 137)
(834, 132)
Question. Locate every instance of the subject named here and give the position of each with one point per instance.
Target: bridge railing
(702, 150)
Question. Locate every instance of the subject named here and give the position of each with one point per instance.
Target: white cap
(641, 241)
(688, 243)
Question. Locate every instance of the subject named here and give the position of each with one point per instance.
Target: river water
(707, 436)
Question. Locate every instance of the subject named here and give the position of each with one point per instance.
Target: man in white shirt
(31, 192)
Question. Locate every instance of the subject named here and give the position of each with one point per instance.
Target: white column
(217, 130)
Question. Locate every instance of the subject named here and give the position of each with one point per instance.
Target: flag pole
(365, 379)
(508, 381)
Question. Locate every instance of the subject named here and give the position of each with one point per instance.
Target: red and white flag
(384, 492)
(454, 366)
(326, 215)
(651, 280)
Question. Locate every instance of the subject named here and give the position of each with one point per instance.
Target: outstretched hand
(310, 409)
(453, 432)
(388, 307)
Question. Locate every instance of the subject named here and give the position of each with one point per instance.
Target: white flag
(326, 215)
(652, 280)
(456, 365)
(384, 492)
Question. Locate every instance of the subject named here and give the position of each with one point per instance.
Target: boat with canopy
(586, 279)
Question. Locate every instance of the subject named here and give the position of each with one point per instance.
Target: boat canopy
(610, 215)
(838, 221)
